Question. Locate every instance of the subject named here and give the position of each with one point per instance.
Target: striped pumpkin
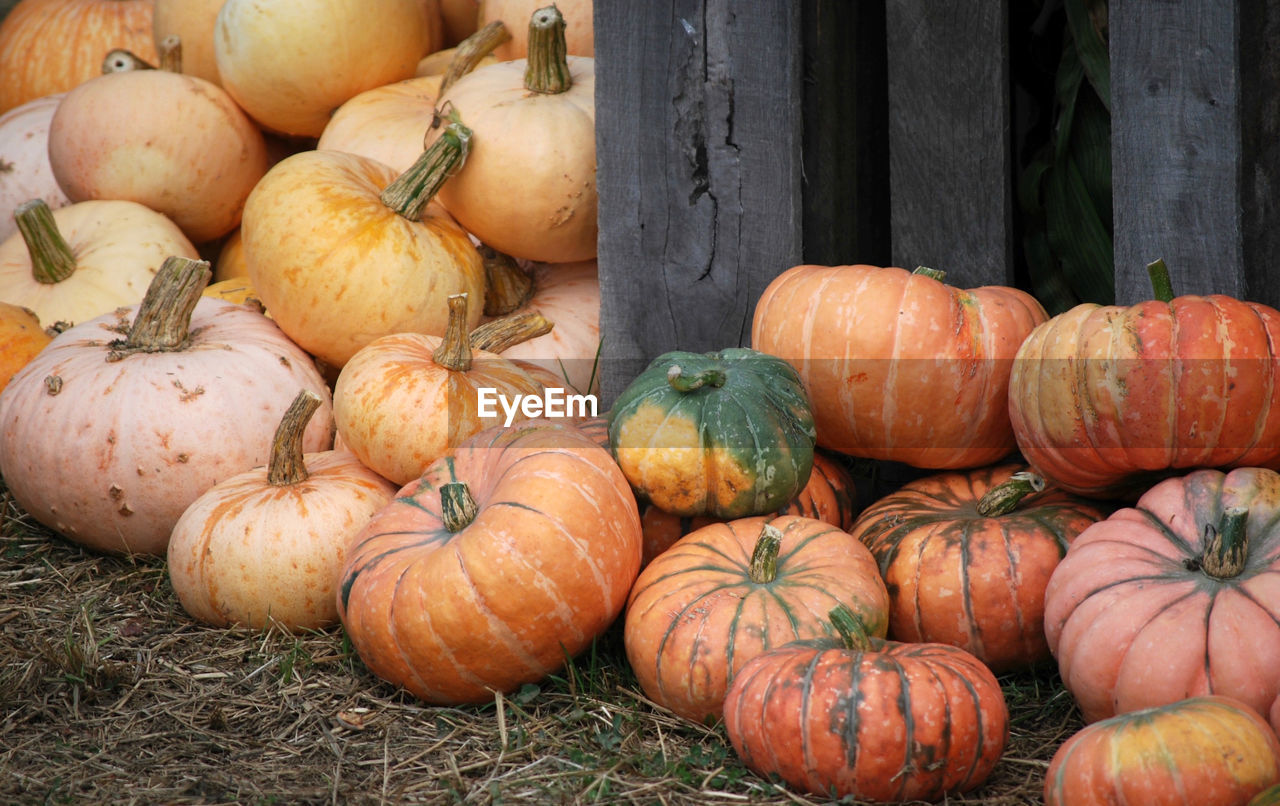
(508, 554)
(966, 557)
(1202, 751)
(1175, 597)
(728, 591)
(854, 716)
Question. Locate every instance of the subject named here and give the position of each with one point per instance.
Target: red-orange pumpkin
(966, 557)
(898, 365)
(876, 720)
(455, 595)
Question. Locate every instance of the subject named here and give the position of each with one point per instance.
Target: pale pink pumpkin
(25, 172)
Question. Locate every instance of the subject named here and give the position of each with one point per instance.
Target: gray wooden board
(950, 153)
(698, 151)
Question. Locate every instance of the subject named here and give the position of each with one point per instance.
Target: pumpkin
(828, 496)
(528, 188)
(266, 546)
(25, 173)
(1174, 597)
(230, 262)
(390, 123)
(51, 46)
(1267, 797)
(461, 19)
(238, 290)
(851, 716)
(406, 399)
(898, 365)
(967, 555)
(1106, 400)
(501, 560)
(725, 434)
(289, 64)
(173, 142)
(1201, 751)
(568, 295)
(192, 22)
(20, 340)
(579, 30)
(86, 259)
(343, 251)
(115, 427)
(729, 591)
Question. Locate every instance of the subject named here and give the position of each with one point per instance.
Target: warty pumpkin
(898, 365)
(501, 560)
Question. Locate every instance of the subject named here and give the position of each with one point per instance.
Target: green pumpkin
(727, 434)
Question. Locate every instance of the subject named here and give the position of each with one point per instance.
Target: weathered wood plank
(950, 155)
(698, 148)
(1194, 145)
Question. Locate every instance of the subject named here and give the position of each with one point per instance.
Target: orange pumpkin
(51, 46)
(192, 22)
(579, 29)
(20, 339)
(898, 365)
(501, 560)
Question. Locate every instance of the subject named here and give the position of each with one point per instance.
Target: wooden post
(1196, 145)
(950, 154)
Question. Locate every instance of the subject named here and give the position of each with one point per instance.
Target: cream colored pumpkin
(24, 160)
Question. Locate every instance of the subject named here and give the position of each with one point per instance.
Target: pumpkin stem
(925, 271)
(1161, 285)
(507, 288)
(1226, 548)
(163, 320)
(121, 60)
(170, 50)
(496, 336)
(470, 51)
(454, 351)
(411, 192)
(1005, 497)
(286, 466)
(457, 507)
(713, 377)
(852, 632)
(764, 558)
(547, 65)
(51, 257)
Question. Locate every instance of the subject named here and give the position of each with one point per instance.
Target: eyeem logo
(554, 402)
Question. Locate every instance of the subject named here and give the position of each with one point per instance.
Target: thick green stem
(411, 192)
(286, 466)
(454, 352)
(500, 334)
(852, 632)
(1226, 549)
(1005, 497)
(680, 382)
(925, 271)
(457, 507)
(764, 558)
(507, 287)
(1161, 285)
(470, 51)
(547, 66)
(163, 320)
(51, 257)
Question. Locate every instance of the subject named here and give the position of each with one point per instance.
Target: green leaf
(1091, 47)
(1077, 234)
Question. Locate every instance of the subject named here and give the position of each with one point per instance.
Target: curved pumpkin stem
(680, 382)
(547, 65)
(1226, 548)
(1005, 497)
(764, 557)
(51, 258)
(286, 466)
(853, 634)
(411, 192)
(507, 287)
(1161, 285)
(454, 351)
(500, 334)
(163, 321)
(470, 51)
(925, 271)
(457, 506)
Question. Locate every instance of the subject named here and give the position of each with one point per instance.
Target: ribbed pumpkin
(24, 155)
(265, 546)
(726, 434)
(966, 557)
(828, 496)
(1175, 597)
(21, 337)
(1202, 751)
(503, 559)
(50, 46)
(729, 591)
(1107, 399)
(898, 365)
(854, 716)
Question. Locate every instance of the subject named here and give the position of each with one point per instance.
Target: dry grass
(111, 694)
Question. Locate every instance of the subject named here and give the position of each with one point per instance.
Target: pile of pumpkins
(250, 293)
